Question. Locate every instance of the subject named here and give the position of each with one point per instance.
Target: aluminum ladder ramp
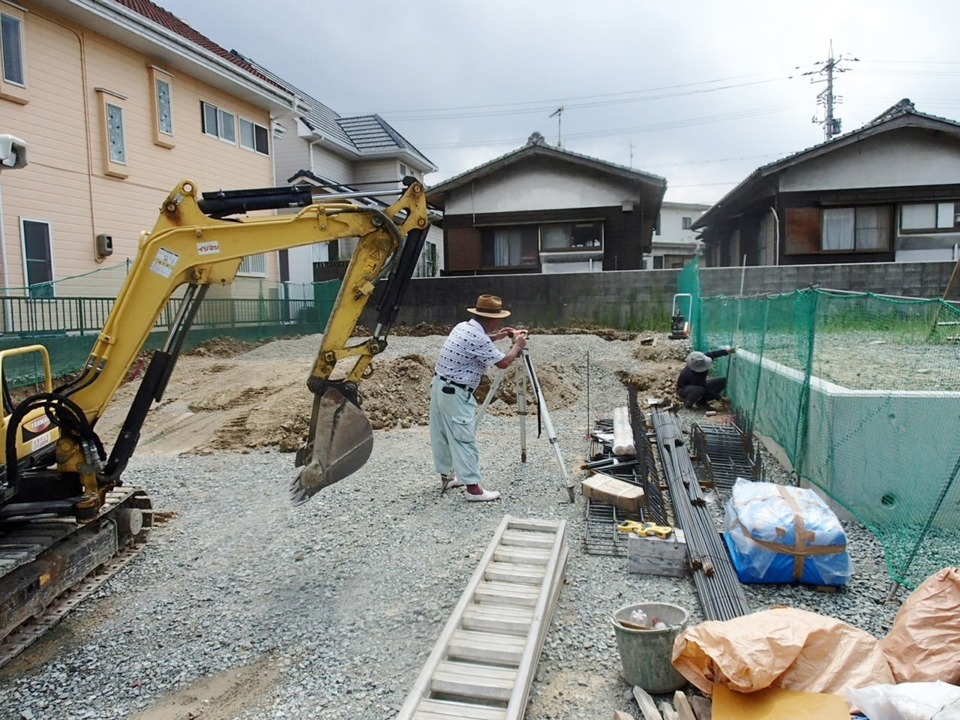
(486, 657)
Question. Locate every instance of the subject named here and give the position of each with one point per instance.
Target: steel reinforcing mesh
(862, 392)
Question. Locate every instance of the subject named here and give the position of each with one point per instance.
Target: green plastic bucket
(646, 654)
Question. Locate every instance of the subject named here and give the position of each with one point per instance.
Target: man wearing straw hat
(463, 359)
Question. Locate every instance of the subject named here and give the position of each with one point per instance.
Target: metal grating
(727, 451)
(600, 535)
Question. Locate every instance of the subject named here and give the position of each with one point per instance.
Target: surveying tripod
(522, 379)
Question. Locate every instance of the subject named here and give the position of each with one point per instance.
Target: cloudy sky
(699, 92)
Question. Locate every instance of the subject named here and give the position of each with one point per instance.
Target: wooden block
(682, 704)
(777, 704)
(647, 706)
(655, 556)
(613, 491)
(702, 706)
(621, 715)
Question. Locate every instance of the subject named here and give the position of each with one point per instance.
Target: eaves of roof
(523, 153)
(899, 116)
(157, 33)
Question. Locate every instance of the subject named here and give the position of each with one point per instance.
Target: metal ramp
(484, 662)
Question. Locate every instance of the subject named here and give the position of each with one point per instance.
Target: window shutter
(463, 249)
(802, 231)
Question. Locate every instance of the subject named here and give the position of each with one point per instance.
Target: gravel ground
(336, 604)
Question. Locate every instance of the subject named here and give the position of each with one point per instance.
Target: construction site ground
(243, 606)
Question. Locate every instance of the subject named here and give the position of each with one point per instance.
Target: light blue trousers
(452, 433)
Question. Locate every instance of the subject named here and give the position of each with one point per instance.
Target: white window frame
(685, 222)
(15, 90)
(161, 137)
(945, 217)
(253, 127)
(23, 254)
(254, 265)
(108, 99)
(220, 114)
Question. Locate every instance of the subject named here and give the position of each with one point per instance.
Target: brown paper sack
(922, 644)
(780, 648)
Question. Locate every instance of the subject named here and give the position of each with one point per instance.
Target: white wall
(892, 159)
(537, 187)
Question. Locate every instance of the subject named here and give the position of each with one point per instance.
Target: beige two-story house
(119, 100)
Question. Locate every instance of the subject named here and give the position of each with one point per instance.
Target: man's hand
(731, 351)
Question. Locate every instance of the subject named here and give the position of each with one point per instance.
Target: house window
(856, 229)
(161, 85)
(659, 221)
(927, 217)
(687, 222)
(37, 257)
(13, 79)
(254, 265)
(254, 137)
(571, 236)
(115, 142)
(509, 246)
(218, 122)
(113, 133)
(403, 170)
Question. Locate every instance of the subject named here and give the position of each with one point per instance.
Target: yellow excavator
(66, 518)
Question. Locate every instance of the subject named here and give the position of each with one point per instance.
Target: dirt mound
(222, 347)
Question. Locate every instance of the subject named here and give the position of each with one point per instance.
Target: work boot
(483, 496)
(449, 482)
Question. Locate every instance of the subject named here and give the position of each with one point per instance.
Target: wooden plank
(515, 573)
(506, 594)
(682, 704)
(524, 538)
(498, 618)
(647, 706)
(447, 710)
(521, 556)
(668, 712)
(702, 707)
(470, 680)
(489, 648)
(620, 715)
(535, 525)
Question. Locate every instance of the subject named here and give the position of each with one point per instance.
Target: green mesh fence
(862, 392)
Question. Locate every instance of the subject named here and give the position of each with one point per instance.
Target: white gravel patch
(348, 593)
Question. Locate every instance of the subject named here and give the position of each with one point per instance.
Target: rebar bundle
(721, 594)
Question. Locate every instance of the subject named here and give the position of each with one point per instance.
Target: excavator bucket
(340, 443)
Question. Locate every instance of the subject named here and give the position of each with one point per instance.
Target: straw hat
(489, 306)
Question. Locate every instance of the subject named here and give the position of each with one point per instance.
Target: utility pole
(831, 125)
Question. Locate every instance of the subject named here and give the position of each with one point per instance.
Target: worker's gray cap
(698, 362)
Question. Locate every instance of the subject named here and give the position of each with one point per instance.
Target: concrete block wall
(641, 299)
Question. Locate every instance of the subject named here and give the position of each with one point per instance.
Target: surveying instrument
(522, 379)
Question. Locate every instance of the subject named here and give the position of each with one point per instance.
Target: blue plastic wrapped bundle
(780, 534)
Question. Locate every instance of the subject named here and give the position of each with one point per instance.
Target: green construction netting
(862, 392)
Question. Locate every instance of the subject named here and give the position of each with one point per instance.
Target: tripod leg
(494, 386)
(548, 424)
(522, 412)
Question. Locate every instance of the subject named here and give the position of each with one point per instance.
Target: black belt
(448, 381)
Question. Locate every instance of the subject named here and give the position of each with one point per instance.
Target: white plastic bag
(907, 701)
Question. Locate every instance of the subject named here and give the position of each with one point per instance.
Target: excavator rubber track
(49, 565)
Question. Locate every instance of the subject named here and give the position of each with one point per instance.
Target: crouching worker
(693, 386)
(463, 359)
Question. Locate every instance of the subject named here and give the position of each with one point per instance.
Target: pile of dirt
(223, 347)
(659, 364)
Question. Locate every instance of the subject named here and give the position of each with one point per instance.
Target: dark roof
(171, 22)
(541, 149)
(902, 114)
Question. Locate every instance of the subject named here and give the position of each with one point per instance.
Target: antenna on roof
(558, 113)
